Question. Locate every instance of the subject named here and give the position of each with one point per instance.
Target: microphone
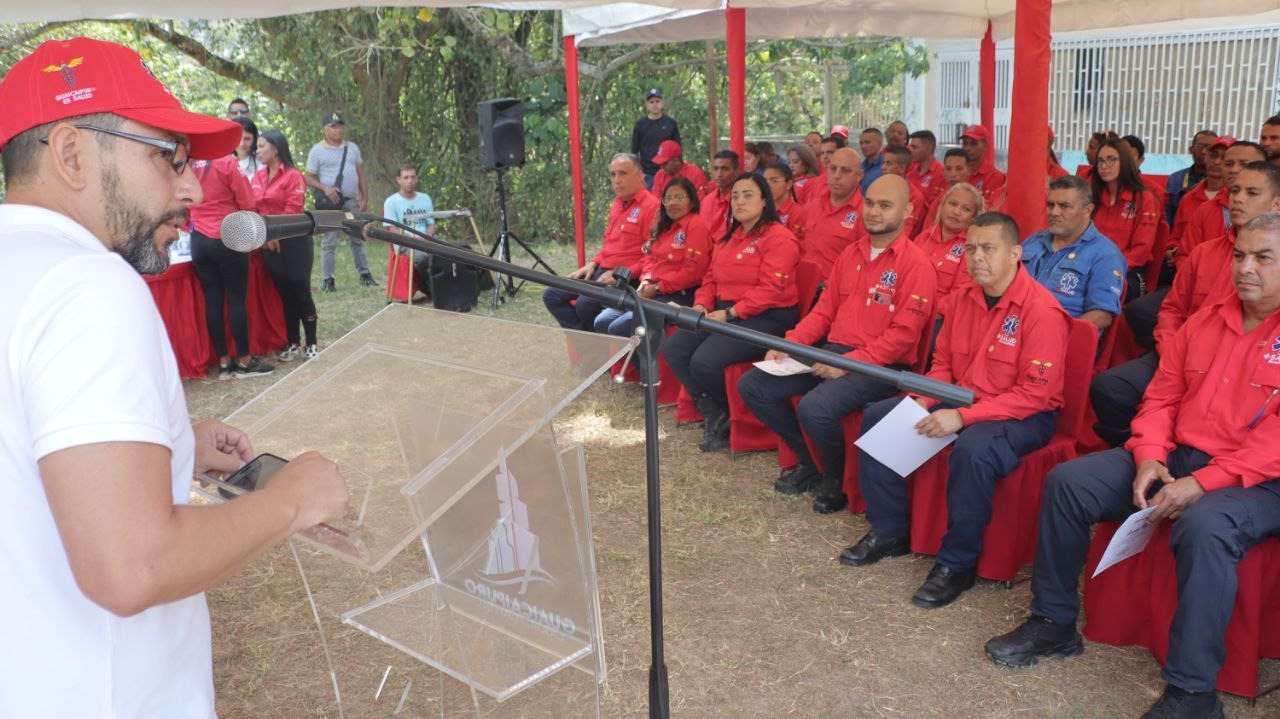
(246, 231)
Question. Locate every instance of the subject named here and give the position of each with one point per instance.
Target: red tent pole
(575, 145)
(987, 87)
(735, 31)
(1027, 189)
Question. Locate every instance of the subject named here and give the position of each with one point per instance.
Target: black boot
(715, 429)
(831, 496)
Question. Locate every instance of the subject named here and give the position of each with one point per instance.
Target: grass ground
(761, 621)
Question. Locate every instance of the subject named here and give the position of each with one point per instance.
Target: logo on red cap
(67, 70)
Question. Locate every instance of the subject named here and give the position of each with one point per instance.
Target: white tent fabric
(64, 10)
(930, 19)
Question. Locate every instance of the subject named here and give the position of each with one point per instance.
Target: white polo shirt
(84, 359)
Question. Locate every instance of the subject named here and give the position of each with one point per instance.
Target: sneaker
(1177, 703)
(1036, 638)
(366, 280)
(225, 372)
(327, 285)
(255, 368)
(290, 353)
(312, 352)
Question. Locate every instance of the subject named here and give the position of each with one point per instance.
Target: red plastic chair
(1133, 602)
(1009, 541)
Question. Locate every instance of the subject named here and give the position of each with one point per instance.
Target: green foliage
(408, 80)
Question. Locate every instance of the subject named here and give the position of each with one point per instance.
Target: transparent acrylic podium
(462, 581)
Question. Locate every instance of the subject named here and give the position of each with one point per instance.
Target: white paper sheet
(1129, 539)
(783, 368)
(896, 444)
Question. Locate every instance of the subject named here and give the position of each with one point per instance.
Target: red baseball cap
(977, 133)
(840, 131)
(667, 150)
(62, 79)
(1223, 141)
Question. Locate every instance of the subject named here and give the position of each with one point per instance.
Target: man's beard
(133, 231)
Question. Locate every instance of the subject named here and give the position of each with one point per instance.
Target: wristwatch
(730, 313)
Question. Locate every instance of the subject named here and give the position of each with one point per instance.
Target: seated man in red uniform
(670, 161)
(1213, 218)
(925, 172)
(1004, 337)
(896, 160)
(877, 302)
(631, 219)
(715, 203)
(835, 212)
(955, 169)
(1205, 451)
(983, 175)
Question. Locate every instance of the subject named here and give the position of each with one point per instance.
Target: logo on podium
(513, 549)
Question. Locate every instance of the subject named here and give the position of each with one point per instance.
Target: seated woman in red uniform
(751, 283)
(944, 242)
(675, 259)
(1124, 209)
(804, 167)
(791, 214)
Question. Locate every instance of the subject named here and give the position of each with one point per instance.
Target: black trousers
(224, 277)
(571, 314)
(823, 405)
(1141, 313)
(699, 359)
(290, 270)
(1209, 540)
(1116, 395)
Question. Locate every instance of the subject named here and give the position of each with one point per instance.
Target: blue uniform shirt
(871, 171)
(1087, 275)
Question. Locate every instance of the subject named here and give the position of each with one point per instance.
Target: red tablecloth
(181, 303)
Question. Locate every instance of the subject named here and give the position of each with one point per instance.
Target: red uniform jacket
(714, 211)
(794, 216)
(912, 223)
(1010, 356)
(1215, 390)
(804, 186)
(1204, 278)
(689, 171)
(755, 272)
(990, 182)
(1130, 223)
(679, 257)
(1156, 186)
(630, 224)
(814, 187)
(946, 255)
(283, 194)
(1211, 220)
(1056, 171)
(931, 182)
(831, 229)
(225, 191)
(1187, 206)
(880, 307)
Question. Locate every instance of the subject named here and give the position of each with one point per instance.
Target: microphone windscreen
(243, 231)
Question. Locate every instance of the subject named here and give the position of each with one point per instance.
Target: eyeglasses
(177, 154)
(669, 199)
(1109, 160)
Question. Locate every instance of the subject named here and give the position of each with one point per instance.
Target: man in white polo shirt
(102, 563)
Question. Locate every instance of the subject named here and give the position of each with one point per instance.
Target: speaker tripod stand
(505, 286)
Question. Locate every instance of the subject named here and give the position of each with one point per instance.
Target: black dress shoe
(831, 497)
(797, 480)
(715, 427)
(874, 547)
(942, 587)
(1177, 703)
(1036, 638)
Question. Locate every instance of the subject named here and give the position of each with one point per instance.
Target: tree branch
(31, 34)
(505, 46)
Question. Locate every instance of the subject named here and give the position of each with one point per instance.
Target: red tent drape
(1028, 124)
(987, 87)
(575, 145)
(735, 33)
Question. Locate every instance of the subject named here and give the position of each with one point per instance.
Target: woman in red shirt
(791, 214)
(280, 190)
(1123, 208)
(675, 258)
(751, 283)
(944, 242)
(804, 167)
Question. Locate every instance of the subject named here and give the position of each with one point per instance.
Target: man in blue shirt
(412, 208)
(1181, 182)
(871, 143)
(1078, 264)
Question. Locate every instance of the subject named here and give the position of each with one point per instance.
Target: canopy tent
(1029, 22)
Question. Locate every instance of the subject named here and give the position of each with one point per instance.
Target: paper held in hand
(784, 367)
(1129, 539)
(896, 444)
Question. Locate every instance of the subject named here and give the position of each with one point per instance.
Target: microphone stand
(653, 318)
